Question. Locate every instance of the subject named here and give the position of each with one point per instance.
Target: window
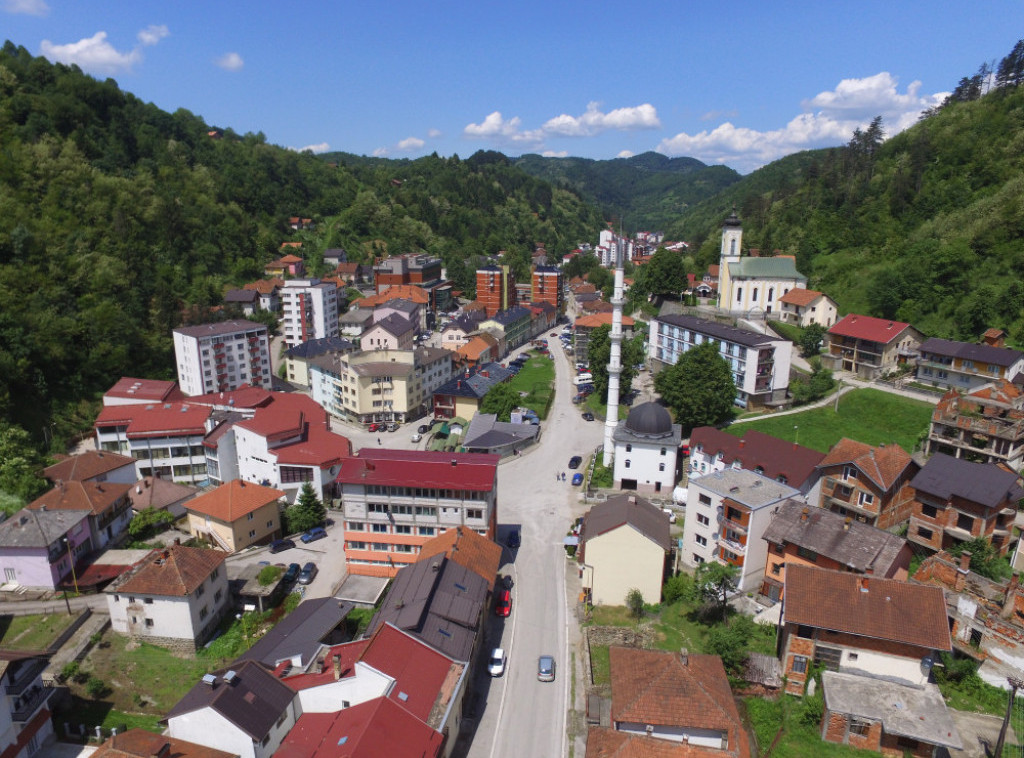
(403, 529)
(929, 510)
(663, 451)
(203, 613)
(380, 528)
(200, 590)
(849, 472)
(426, 531)
(703, 520)
(859, 726)
(697, 560)
(828, 657)
(865, 498)
(252, 533)
(149, 623)
(355, 526)
(965, 522)
(217, 596)
(474, 513)
(661, 467)
(799, 664)
(776, 568)
(148, 601)
(704, 499)
(805, 632)
(627, 463)
(807, 555)
(249, 517)
(925, 534)
(700, 540)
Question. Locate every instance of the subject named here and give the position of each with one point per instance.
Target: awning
(571, 540)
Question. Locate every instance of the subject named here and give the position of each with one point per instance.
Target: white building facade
(752, 285)
(309, 310)
(221, 357)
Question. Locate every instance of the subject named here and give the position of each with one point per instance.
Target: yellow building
(236, 515)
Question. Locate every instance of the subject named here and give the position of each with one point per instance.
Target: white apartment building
(221, 357)
(727, 513)
(760, 363)
(309, 310)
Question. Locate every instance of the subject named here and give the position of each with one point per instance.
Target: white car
(416, 437)
(496, 665)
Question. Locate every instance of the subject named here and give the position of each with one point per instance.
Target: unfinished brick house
(868, 484)
(985, 425)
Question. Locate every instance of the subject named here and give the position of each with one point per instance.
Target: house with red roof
(868, 346)
(269, 292)
(712, 449)
(173, 598)
(139, 743)
(585, 325)
(92, 466)
(804, 307)
(236, 515)
(467, 548)
(129, 390)
(286, 265)
(396, 500)
(105, 503)
(868, 484)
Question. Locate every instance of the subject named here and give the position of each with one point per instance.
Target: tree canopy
(599, 350)
(699, 388)
(501, 399)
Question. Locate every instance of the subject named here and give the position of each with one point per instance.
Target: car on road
(308, 573)
(577, 479)
(686, 451)
(496, 665)
(588, 416)
(292, 573)
(503, 606)
(373, 428)
(392, 427)
(416, 437)
(546, 668)
(423, 428)
(314, 534)
(575, 461)
(553, 334)
(513, 539)
(278, 546)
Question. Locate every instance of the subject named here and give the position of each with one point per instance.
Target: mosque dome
(650, 420)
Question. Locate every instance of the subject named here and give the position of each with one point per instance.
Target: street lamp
(72, 559)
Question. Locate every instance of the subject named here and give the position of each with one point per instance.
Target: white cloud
(555, 153)
(433, 133)
(152, 34)
(381, 152)
(230, 62)
(93, 54)
(625, 154)
(411, 143)
(852, 104)
(593, 121)
(26, 7)
(496, 128)
(320, 147)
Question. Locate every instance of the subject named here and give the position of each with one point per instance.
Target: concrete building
(967, 366)
(222, 356)
(870, 347)
(547, 286)
(804, 307)
(309, 310)
(495, 288)
(236, 515)
(420, 270)
(646, 450)
(868, 484)
(985, 424)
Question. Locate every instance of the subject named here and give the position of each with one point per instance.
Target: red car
(504, 605)
(373, 428)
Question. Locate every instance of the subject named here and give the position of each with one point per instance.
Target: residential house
(286, 265)
(967, 366)
(479, 349)
(985, 424)
(222, 356)
(467, 548)
(623, 546)
(407, 309)
(269, 291)
(40, 548)
(300, 638)
(26, 718)
(411, 292)
(804, 307)
(543, 316)
(869, 484)
(712, 449)
(669, 705)
(106, 504)
(309, 310)
(236, 514)
(352, 274)
(514, 325)
(461, 395)
(760, 363)
(92, 466)
(869, 347)
(860, 625)
(140, 743)
(392, 332)
(485, 434)
(246, 301)
(245, 710)
(727, 514)
(459, 330)
(355, 321)
(751, 284)
(585, 325)
(957, 500)
(335, 256)
(160, 494)
(646, 450)
(174, 598)
(805, 535)
(394, 501)
(297, 358)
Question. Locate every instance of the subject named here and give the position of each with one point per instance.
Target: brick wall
(835, 728)
(898, 509)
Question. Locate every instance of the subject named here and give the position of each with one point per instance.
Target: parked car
(513, 539)
(503, 606)
(373, 428)
(307, 573)
(546, 668)
(417, 437)
(588, 416)
(292, 573)
(496, 665)
(686, 451)
(423, 428)
(392, 427)
(314, 534)
(278, 546)
(577, 479)
(575, 461)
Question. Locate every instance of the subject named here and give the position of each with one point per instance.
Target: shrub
(95, 688)
(635, 603)
(268, 575)
(677, 587)
(71, 671)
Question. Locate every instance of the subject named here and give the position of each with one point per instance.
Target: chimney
(337, 667)
(846, 524)
(961, 572)
(863, 584)
(177, 540)
(742, 442)
(965, 561)
(684, 656)
(803, 514)
(162, 752)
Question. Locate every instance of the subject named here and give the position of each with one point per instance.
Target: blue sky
(742, 83)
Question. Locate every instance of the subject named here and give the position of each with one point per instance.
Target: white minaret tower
(614, 363)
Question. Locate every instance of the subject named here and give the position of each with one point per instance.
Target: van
(584, 378)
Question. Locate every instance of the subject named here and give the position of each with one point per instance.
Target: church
(751, 285)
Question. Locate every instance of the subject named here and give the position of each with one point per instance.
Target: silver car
(546, 668)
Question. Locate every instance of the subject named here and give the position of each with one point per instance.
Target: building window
(925, 534)
(627, 463)
(859, 726)
(704, 499)
(807, 555)
(697, 560)
(965, 522)
(805, 632)
(776, 568)
(849, 472)
(148, 601)
(149, 623)
(217, 596)
(380, 528)
(703, 520)
(661, 467)
(629, 448)
(865, 498)
(474, 513)
(249, 517)
(203, 613)
(355, 526)
(799, 664)
(929, 510)
(700, 540)
(252, 533)
(663, 451)
(200, 590)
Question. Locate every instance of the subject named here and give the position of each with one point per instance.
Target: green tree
(814, 387)
(635, 603)
(21, 464)
(732, 643)
(307, 512)
(667, 275)
(149, 522)
(713, 583)
(501, 399)
(811, 339)
(699, 388)
(985, 559)
(677, 587)
(599, 351)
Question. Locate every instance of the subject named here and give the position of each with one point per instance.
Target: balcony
(25, 676)
(28, 705)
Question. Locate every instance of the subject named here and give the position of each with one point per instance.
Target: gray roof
(312, 348)
(854, 545)
(220, 328)
(38, 528)
(241, 296)
(399, 304)
(383, 368)
(396, 325)
(998, 356)
(467, 322)
(425, 355)
(944, 476)
(623, 510)
(437, 601)
(300, 633)
(511, 315)
(485, 431)
(745, 487)
(721, 332)
(776, 267)
(356, 317)
(649, 419)
(253, 702)
(473, 382)
(918, 713)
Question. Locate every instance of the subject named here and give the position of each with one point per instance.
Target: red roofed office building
(131, 391)
(396, 500)
(870, 346)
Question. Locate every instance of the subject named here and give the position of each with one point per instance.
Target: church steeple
(732, 239)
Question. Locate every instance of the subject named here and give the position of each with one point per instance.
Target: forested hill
(117, 218)
(646, 192)
(926, 227)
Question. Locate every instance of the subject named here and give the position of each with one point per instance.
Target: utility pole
(1015, 684)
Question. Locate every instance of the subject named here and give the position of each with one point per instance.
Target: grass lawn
(798, 739)
(867, 415)
(36, 632)
(536, 379)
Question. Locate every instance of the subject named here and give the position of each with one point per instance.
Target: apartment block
(222, 356)
(309, 310)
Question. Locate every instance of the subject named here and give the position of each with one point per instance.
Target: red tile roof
(603, 742)
(404, 291)
(467, 548)
(595, 320)
(87, 465)
(799, 296)
(166, 419)
(233, 500)
(264, 286)
(885, 609)
(883, 464)
(775, 457)
(95, 497)
(476, 472)
(141, 390)
(868, 328)
(245, 396)
(172, 572)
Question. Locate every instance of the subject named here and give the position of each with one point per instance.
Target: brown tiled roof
(233, 500)
(885, 609)
(775, 457)
(138, 743)
(158, 493)
(84, 466)
(882, 464)
(411, 292)
(660, 688)
(95, 497)
(600, 319)
(620, 510)
(467, 548)
(800, 296)
(264, 286)
(175, 572)
(608, 743)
